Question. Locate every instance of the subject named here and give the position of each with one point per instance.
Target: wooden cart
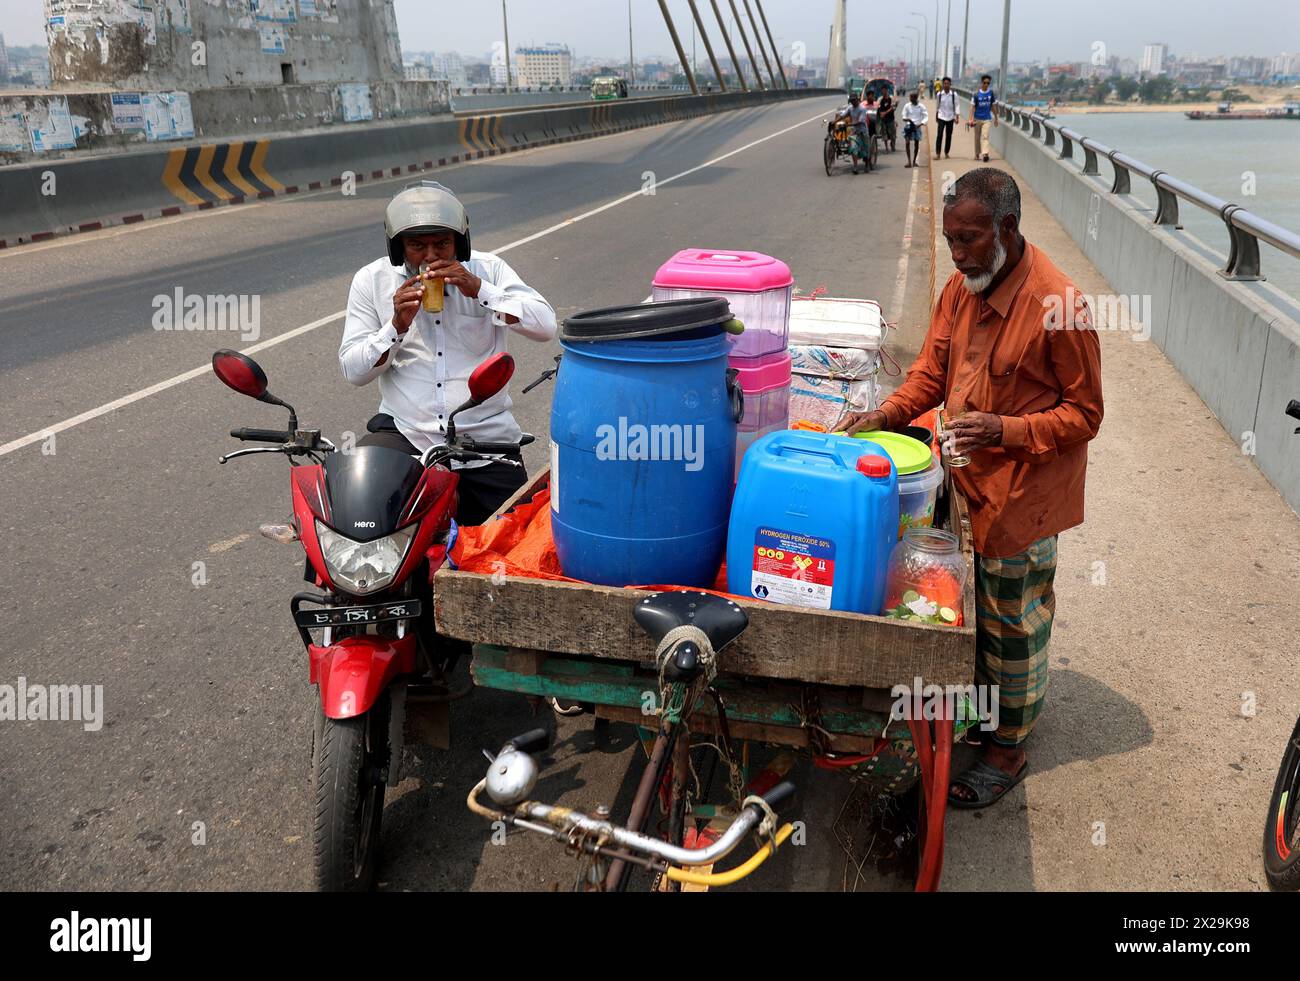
(812, 680)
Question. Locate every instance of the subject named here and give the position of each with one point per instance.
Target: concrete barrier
(64, 196)
(1236, 343)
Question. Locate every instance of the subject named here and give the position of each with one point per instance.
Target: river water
(1223, 157)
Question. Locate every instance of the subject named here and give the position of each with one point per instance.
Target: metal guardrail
(1245, 228)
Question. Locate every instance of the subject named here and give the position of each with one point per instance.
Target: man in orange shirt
(1020, 375)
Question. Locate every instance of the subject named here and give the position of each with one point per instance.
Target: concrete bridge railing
(1234, 337)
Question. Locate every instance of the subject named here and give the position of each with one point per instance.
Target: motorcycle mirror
(490, 377)
(240, 372)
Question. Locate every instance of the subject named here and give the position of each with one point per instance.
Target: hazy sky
(1061, 30)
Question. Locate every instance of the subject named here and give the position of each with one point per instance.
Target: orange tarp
(520, 544)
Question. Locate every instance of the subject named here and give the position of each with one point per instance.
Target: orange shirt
(1029, 354)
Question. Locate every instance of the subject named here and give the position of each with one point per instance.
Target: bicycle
(689, 628)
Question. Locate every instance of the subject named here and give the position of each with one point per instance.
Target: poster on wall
(128, 112)
(355, 98)
(13, 133)
(49, 125)
(277, 11)
(178, 16)
(145, 18)
(167, 116)
(272, 39)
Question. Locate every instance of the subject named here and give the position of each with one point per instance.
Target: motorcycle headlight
(363, 567)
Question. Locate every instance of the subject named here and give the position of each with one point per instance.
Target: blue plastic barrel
(643, 443)
(813, 522)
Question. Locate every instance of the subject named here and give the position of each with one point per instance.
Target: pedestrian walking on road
(885, 115)
(915, 116)
(981, 115)
(1012, 354)
(946, 116)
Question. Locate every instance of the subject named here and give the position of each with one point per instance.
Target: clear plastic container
(758, 288)
(917, 495)
(927, 575)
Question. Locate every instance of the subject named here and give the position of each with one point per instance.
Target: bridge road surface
(207, 707)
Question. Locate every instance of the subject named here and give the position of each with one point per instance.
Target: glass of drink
(948, 438)
(433, 291)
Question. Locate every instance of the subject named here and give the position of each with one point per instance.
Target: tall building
(1154, 57)
(449, 66)
(952, 61)
(548, 65)
(269, 42)
(895, 72)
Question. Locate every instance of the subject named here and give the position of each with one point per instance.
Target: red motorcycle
(374, 523)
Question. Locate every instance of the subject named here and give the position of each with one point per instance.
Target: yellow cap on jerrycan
(813, 521)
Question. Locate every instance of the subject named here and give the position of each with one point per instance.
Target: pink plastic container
(766, 384)
(758, 288)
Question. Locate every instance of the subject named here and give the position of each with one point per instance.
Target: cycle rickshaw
(842, 142)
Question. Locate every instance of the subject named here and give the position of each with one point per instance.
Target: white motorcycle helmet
(423, 208)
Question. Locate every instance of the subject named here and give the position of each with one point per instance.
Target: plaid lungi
(1015, 603)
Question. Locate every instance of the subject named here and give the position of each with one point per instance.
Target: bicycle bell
(511, 777)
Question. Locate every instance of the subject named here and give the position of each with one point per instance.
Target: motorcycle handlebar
(262, 435)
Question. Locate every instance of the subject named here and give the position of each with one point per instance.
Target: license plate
(342, 616)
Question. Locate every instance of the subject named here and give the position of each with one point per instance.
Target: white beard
(978, 284)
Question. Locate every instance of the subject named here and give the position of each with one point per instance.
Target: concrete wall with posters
(91, 122)
(1236, 343)
(196, 44)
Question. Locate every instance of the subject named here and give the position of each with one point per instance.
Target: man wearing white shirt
(946, 114)
(915, 116)
(423, 359)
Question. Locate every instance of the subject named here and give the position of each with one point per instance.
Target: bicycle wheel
(1282, 830)
(828, 155)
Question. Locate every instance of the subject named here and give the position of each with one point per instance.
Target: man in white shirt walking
(915, 117)
(423, 359)
(946, 114)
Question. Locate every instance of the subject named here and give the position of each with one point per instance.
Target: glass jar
(927, 575)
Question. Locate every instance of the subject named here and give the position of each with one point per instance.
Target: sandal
(981, 779)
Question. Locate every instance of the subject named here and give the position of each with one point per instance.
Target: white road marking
(172, 382)
(154, 389)
(900, 280)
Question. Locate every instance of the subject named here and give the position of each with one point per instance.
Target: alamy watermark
(211, 311)
(1109, 311)
(673, 443)
(53, 703)
(920, 701)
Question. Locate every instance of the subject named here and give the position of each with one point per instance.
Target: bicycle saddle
(721, 619)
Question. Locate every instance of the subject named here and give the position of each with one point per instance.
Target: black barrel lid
(647, 319)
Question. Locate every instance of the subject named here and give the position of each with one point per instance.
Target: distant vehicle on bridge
(876, 87)
(608, 87)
